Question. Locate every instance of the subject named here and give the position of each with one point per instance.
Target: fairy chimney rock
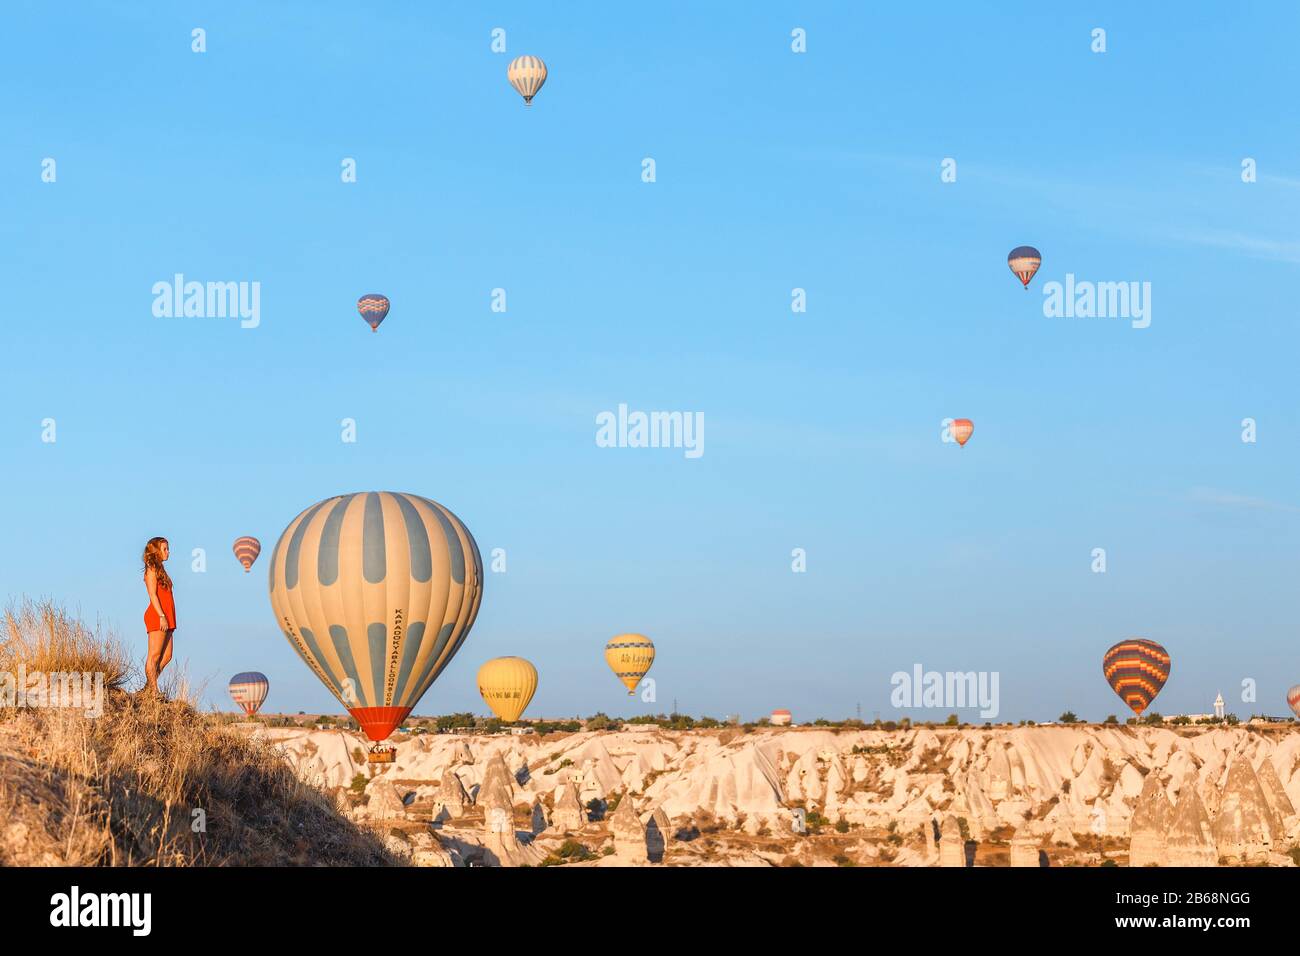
(1149, 826)
(1190, 840)
(1246, 827)
(952, 848)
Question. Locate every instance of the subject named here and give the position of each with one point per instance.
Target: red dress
(151, 622)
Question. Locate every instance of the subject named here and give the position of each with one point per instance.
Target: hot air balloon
(373, 309)
(507, 685)
(248, 690)
(629, 656)
(1024, 262)
(1293, 699)
(1136, 669)
(526, 74)
(247, 549)
(376, 591)
(961, 430)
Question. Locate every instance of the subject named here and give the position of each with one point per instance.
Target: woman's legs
(153, 658)
(166, 653)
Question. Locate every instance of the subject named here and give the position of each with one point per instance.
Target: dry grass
(150, 782)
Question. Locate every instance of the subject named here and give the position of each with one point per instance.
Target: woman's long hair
(153, 559)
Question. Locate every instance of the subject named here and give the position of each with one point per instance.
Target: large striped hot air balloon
(246, 550)
(629, 656)
(248, 690)
(373, 308)
(1293, 699)
(961, 430)
(526, 74)
(376, 591)
(507, 685)
(1136, 669)
(1024, 262)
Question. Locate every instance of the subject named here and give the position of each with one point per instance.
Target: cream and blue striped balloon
(376, 591)
(526, 74)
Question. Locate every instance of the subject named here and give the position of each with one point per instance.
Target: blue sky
(775, 170)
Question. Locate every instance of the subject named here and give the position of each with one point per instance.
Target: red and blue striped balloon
(373, 309)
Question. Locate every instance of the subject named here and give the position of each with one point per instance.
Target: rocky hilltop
(1060, 795)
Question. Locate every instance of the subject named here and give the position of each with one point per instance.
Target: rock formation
(629, 834)
(384, 803)
(952, 848)
(1149, 825)
(1274, 792)
(568, 814)
(451, 799)
(1190, 839)
(1025, 850)
(1246, 828)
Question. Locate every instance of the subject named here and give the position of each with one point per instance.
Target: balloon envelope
(1024, 262)
(629, 656)
(376, 591)
(526, 74)
(1293, 699)
(373, 309)
(507, 685)
(1136, 669)
(246, 550)
(961, 430)
(248, 690)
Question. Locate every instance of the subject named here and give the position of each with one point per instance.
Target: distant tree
(599, 721)
(359, 783)
(1232, 719)
(1153, 718)
(1111, 719)
(952, 720)
(841, 825)
(1068, 717)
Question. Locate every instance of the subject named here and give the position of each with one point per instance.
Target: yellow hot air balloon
(376, 591)
(507, 685)
(526, 74)
(629, 656)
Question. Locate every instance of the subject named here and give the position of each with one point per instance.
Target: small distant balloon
(961, 430)
(1024, 262)
(507, 684)
(629, 656)
(1136, 669)
(247, 549)
(1293, 699)
(373, 309)
(526, 74)
(248, 690)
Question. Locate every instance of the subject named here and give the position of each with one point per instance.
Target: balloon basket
(382, 754)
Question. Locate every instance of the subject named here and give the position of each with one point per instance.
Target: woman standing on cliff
(160, 616)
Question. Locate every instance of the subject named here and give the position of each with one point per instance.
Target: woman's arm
(151, 583)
